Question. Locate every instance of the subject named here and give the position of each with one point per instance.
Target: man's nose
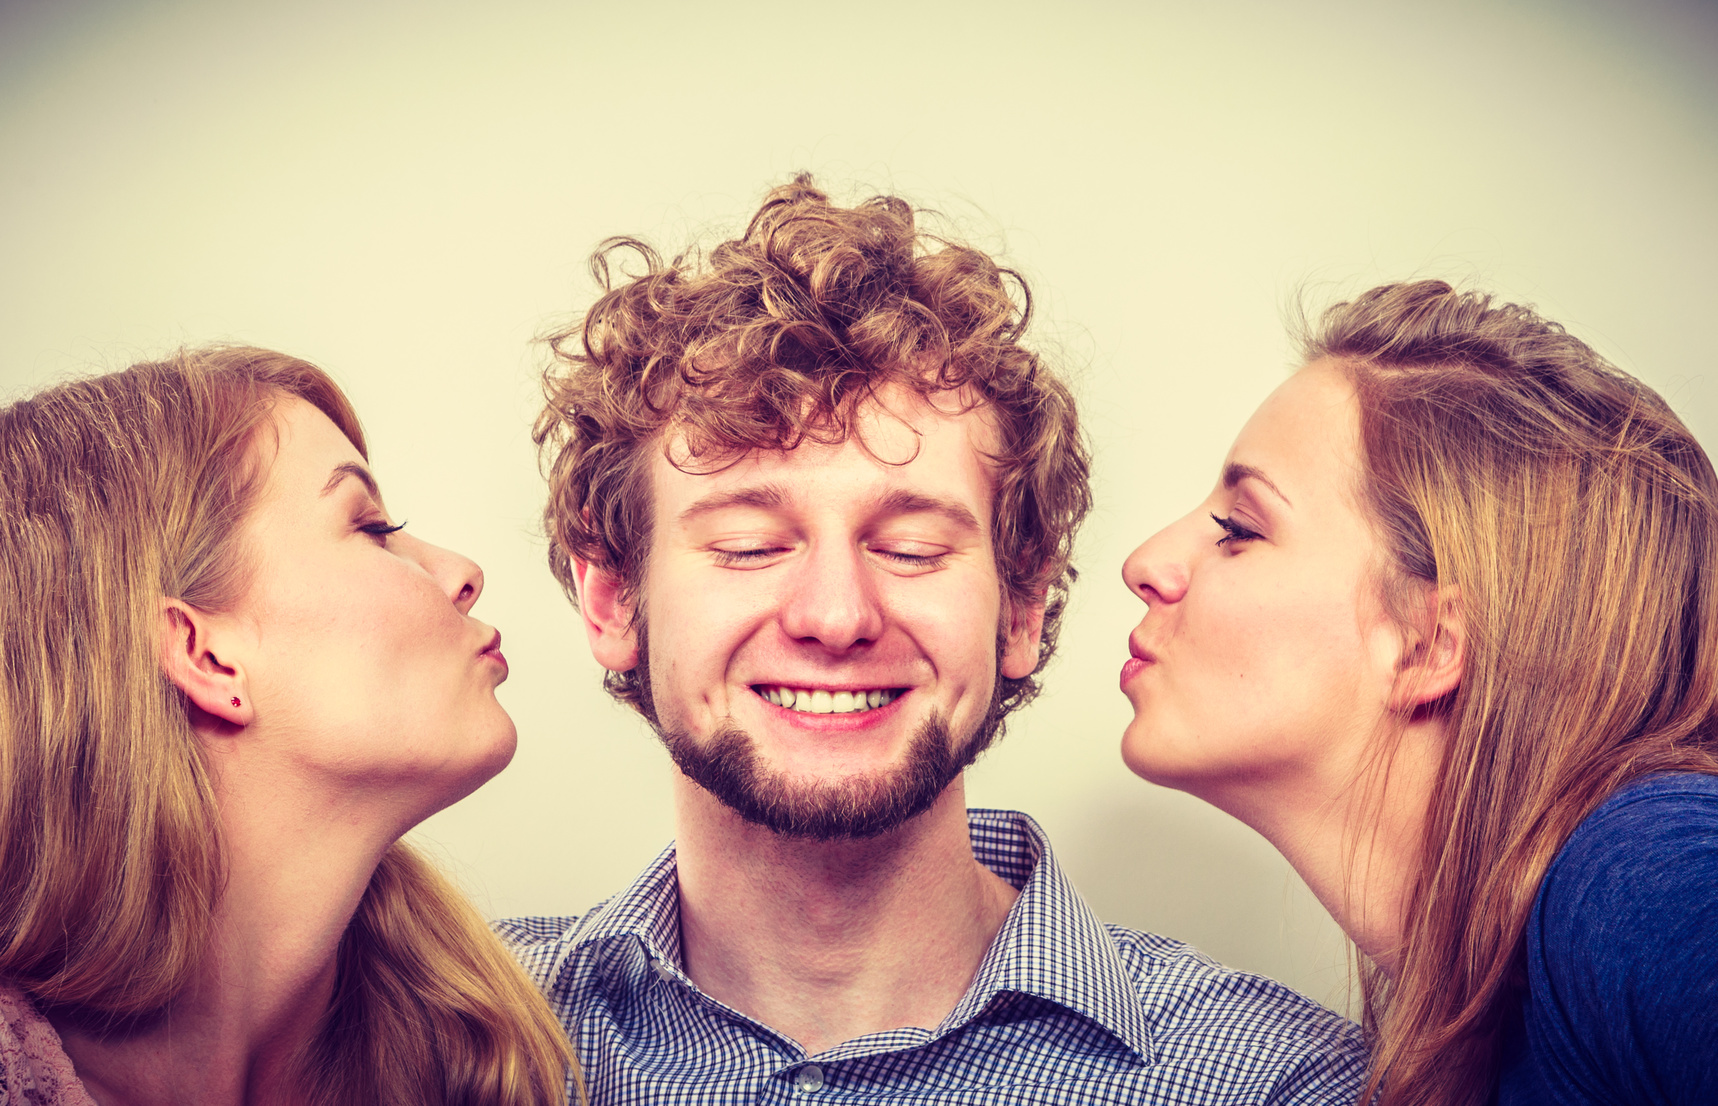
(1157, 571)
(832, 599)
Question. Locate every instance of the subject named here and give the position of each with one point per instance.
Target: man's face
(823, 624)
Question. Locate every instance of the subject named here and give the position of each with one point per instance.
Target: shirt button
(664, 972)
(808, 1079)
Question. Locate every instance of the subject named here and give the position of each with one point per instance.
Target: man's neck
(825, 941)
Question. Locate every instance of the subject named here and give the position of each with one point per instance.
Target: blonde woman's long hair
(116, 491)
(1577, 519)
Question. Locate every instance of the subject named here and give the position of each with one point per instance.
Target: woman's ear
(214, 686)
(608, 618)
(1436, 656)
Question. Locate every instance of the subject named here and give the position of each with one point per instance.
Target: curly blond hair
(780, 337)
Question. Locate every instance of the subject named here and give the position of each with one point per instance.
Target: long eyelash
(381, 529)
(1232, 530)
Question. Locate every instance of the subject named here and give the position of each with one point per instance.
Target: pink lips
(493, 650)
(1140, 660)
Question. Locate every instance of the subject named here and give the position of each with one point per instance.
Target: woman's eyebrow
(1234, 474)
(353, 469)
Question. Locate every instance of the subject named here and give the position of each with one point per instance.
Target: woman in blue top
(1446, 632)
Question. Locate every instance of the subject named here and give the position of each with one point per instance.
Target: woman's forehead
(301, 451)
(1304, 439)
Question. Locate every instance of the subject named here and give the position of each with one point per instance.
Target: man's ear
(1020, 643)
(214, 686)
(1435, 657)
(608, 619)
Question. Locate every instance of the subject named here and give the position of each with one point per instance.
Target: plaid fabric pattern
(1064, 1010)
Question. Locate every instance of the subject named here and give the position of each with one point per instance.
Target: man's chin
(728, 766)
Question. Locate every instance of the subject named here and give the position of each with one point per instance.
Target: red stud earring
(235, 700)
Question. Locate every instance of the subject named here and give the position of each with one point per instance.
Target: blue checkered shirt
(1063, 1010)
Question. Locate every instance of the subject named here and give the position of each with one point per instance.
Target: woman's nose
(1157, 570)
(458, 575)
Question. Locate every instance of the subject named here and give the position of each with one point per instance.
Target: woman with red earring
(203, 893)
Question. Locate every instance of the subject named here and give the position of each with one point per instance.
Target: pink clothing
(34, 1068)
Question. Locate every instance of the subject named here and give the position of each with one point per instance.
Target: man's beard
(728, 766)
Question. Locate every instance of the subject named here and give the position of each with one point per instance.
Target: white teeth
(819, 701)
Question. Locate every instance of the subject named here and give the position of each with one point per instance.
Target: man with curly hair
(816, 503)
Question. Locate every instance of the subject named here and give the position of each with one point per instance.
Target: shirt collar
(1051, 946)
(648, 910)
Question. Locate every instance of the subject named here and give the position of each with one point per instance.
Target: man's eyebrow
(1234, 474)
(765, 498)
(904, 502)
(897, 502)
(353, 469)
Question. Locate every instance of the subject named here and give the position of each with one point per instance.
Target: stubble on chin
(727, 765)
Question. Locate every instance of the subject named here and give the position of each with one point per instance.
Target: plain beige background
(406, 194)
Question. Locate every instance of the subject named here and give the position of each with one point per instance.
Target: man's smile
(827, 701)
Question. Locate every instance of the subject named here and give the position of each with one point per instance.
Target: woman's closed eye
(381, 529)
(1233, 531)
